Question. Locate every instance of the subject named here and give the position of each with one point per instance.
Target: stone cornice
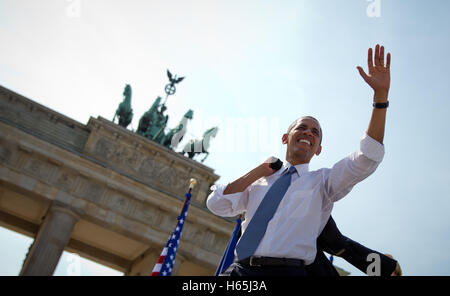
(33, 106)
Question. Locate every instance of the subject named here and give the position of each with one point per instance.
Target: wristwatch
(381, 105)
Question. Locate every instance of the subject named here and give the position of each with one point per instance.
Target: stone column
(52, 238)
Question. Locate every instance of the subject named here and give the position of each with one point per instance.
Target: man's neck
(295, 162)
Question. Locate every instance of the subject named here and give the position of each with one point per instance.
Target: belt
(271, 261)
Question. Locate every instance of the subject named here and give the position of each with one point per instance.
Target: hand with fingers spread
(379, 77)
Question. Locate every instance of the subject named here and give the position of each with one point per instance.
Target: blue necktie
(256, 229)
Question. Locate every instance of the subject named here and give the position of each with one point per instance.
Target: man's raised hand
(265, 168)
(262, 170)
(379, 77)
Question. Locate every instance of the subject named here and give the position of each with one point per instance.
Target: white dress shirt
(306, 206)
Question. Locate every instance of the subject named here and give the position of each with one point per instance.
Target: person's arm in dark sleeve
(333, 242)
(357, 255)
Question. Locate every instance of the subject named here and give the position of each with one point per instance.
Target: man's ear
(284, 139)
(319, 150)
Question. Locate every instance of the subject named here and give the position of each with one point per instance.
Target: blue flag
(228, 255)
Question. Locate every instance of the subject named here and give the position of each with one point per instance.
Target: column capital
(62, 209)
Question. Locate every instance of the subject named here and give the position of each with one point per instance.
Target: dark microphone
(276, 165)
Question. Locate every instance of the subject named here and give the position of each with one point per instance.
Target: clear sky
(252, 67)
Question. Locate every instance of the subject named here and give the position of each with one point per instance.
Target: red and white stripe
(158, 264)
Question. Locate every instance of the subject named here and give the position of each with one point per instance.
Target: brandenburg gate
(101, 191)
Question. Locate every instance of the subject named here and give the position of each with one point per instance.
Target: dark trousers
(237, 269)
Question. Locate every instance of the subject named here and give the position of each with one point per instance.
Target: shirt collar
(301, 168)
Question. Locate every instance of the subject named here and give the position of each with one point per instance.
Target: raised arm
(231, 200)
(379, 79)
(243, 182)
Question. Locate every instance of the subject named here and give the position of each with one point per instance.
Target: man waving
(286, 210)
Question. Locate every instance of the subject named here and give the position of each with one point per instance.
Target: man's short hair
(310, 117)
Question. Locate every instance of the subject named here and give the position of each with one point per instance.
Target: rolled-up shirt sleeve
(226, 205)
(340, 179)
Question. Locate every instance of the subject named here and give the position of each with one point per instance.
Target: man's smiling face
(303, 140)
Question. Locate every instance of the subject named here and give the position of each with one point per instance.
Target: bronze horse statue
(175, 135)
(124, 111)
(148, 118)
(200, 145)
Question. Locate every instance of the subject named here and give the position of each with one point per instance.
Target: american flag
(166, 260)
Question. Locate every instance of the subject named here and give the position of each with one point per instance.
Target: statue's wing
(179, 79)
(169, 75)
